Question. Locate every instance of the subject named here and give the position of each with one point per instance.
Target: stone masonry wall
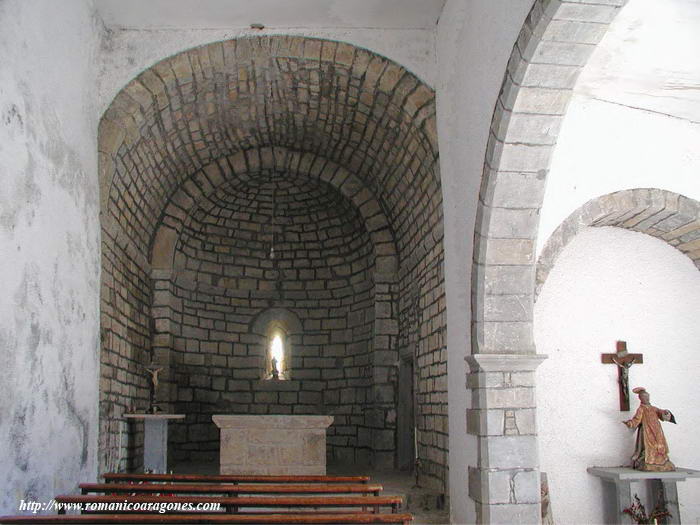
(336, 114)
(321, 271)
(126, 298)
(422, 333)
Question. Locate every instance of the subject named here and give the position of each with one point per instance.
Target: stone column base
(506, 482)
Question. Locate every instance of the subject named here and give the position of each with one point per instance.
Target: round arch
(309, 165)
(328, 111)
(668, 216)
(551, 50)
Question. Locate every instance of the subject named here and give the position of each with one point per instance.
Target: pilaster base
(506, 482)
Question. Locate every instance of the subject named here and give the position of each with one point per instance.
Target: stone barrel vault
(196, 155)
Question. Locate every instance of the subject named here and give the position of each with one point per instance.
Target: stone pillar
(506, 482)
(385, 360)
(162, 313)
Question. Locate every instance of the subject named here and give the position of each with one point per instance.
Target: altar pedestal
(273, 445)
(155, 440)
(622, 477)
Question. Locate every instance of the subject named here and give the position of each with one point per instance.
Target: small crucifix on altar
(624, 360)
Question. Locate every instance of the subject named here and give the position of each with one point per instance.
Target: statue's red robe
(651, 450)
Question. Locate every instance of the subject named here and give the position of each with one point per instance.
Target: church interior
(427, 219)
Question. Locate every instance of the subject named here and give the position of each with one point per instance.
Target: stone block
(235, 385)
(266, 397)
(507, 252)
(218, 383)
(502, 280)
(310, 397)
(490, 486)
(199, 380)
(508, 514)
(276, 386)
(563, 53)
(526, 486)
(531, 129)
(519, 378)
(523, 157)
(512, 223)
(485, 422)
(509, 308)
(508, 452)
(184, 394)
(519, 397)
(206, 396)
(574, 31)
(556, 76)
(288, 398)
(504, 337)
(193, 359)
(580, 12)
(384, 393)
(385, 357)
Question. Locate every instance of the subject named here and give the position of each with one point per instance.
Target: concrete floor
(423, 504)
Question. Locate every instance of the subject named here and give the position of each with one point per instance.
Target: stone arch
(668, 216)
(281, 159)
(320, 104)
(264, 318)
(551, 50)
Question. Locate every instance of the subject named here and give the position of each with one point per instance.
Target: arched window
(277, 327)
(277, 358)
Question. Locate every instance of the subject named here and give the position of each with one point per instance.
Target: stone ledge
(504, 362)
(630, 474)
(271, 385)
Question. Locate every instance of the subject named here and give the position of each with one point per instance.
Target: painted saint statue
(651, 449)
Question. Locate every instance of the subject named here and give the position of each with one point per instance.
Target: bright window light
(277, 351)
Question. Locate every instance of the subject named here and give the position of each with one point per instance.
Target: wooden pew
(230, 489)
(264, 518)
(301, 503)
(299, 499)
(121, 477)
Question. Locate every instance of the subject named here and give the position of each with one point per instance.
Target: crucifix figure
(623, 360)
(154, 371)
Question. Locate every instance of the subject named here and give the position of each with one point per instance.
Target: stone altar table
(274, 445)
(155, 440)
(622, 477)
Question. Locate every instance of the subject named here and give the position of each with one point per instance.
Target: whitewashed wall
(611, 284)
(474, 42)
(49, 255)
(634, 119)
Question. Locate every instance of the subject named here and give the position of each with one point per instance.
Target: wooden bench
(230, 489)
(235, 504)
(120, 477)
(267, 518)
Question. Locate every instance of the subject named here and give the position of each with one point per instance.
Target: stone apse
(264, 187)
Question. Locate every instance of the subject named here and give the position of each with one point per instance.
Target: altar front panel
(273, 445)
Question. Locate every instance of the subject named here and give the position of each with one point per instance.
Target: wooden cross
(624, 361)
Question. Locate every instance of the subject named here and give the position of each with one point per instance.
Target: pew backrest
(121, 477)
(223, 488)
(264, 518)
(116, 503)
